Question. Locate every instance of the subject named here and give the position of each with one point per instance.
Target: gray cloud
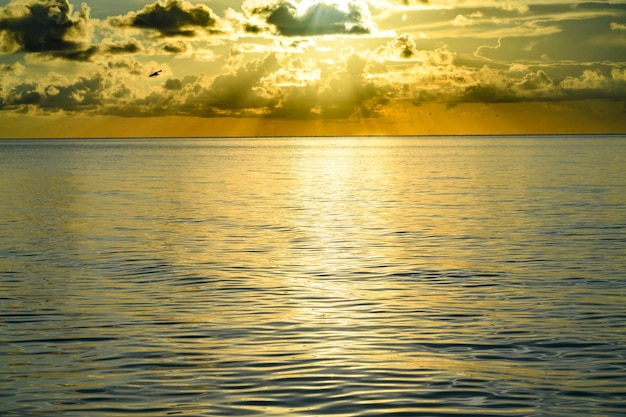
(125, 47)
(173, 84)
(126, 66)
(539, 87)
(171, 18)
(48, 27)
(175, 47)
(320, 18)
(83, 94)
(23, 94)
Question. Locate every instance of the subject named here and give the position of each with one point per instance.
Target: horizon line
(365, 136)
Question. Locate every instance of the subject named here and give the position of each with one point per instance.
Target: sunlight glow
(305, 5)
(293, 67)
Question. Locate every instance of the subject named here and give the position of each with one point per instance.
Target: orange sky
(525, 118)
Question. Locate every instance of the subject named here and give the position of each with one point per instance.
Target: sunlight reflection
(331, 209)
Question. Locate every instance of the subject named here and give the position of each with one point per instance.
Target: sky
(311, 67)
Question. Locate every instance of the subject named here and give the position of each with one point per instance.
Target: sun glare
(305, 5)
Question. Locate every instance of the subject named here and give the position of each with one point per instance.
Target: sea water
(413, 276)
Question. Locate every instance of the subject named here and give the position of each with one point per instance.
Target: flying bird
(155, 73)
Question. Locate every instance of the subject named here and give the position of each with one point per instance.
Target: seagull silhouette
(155, 73)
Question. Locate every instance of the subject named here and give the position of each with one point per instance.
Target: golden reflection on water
(362, 271)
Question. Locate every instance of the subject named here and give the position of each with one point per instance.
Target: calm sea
(446, 276)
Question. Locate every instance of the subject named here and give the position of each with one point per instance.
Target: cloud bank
(300, 60)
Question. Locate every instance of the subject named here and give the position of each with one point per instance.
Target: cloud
(536, 81)
(111, 87)
(239, 93)
(403, 47)
(517, 6)
(123, 47)
(171, 18)
(409, 2)
(294, 88)
(241, 90)
(177, 47)
(81, 95)
(287, 83)
(342, 92)
(538, 87)
(597, 85)
(287, 88)
(618, 26)
(590, 80)
(14, 68)
(322, 17)
(48, 27)
(173, 84)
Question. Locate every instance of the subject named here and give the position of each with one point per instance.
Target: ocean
(343, 276)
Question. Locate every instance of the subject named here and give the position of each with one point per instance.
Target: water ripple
(430, 277)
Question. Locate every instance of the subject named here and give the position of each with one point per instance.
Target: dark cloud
(78, 55)
(486, 93)
(7, 68)
(539, 87)
(171, 18)
(126, 47)
(600, 6)
(173, 84)
(320, 18)
(175, 47)
(24, 94)
(129, 66)
(48, 27)
(84, 94)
